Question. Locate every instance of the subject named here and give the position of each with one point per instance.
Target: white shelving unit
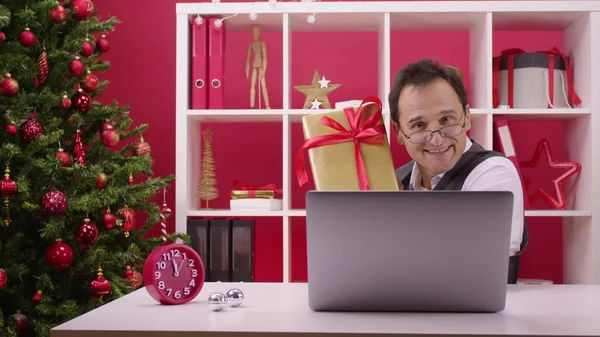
(579, 21)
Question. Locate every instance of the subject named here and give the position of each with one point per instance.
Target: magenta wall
(143, 76)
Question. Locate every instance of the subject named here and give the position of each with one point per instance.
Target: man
(430, 114)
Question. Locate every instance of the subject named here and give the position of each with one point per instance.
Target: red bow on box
(511, 72)
(369, 132)
(238, 186)
(574, 100)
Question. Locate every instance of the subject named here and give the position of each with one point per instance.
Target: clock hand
(175, 270)
(181, 265)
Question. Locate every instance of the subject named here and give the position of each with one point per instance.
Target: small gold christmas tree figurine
(207, 189)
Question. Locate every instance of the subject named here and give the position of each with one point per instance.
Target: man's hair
(420, 74)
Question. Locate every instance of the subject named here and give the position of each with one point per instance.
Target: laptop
(408, 251)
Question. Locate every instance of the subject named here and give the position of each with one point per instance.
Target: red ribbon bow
(511, 71)
(368, 132)
(252, 189)
(574, 100)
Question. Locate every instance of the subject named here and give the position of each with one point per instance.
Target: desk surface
(281, 309)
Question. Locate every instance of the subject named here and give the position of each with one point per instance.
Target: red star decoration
(573, 168)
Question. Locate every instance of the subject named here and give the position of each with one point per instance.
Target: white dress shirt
(493, 174)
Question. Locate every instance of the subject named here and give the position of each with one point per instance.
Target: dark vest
(454, 180)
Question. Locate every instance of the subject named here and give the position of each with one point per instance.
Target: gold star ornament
(316, 92)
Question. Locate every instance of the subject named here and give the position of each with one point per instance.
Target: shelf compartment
(530, 213)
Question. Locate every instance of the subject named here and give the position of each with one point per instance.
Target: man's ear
(467, 118)
(398, 133)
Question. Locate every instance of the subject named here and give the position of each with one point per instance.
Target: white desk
(281, 309)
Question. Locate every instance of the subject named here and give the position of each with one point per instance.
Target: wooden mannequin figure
(258, 49)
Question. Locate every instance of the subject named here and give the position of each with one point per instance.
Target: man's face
(430, 108)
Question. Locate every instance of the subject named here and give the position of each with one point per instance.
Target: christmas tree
(69, 239)
(207, 189)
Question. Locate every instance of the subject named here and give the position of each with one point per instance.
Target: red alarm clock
(174, 274)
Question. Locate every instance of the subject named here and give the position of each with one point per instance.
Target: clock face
(174, 274)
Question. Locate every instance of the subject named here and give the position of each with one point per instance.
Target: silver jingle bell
(235, 297)
(216, 301)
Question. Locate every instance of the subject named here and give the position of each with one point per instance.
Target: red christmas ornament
(2, 37)
(81, 102)
(100, 286)
(87, 49)
(82, 9)
(8, 187)
(106, 126)
(9, 86)
(101, 180)
(90, 82)
(87, 234)
(128, 272)
(3, 278)
(137, 280)
(31, 130)
(12, 129)
(127, 221)
(102, 44)
(142, 148)
(109, 219)
(27, 38)
(59, 255)
(43, 69)
(65, 102)
(76, 67)
(63, 157)
(130, 181)
(79, 150)
(21, 321)
(110, 137)
(58, 14)
(574, 167)
(54, 202)
(37, 297)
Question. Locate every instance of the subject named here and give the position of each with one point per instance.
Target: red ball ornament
(109, 219)
(76, 67)
(100, 286)
(87, 49)
(82, 9)
(21, 321)
(54, 202)
(137, 279)
(110, 138)
(64, 158)
(59, 255)
(65, 102)
(81, 102)
(90, 82)
(31, 130)
(37, 297)
(27, 38)
(102, 44)
(128, 272)
(2, 37)
(86, 234)
(58, 14)
(12, 129)
(106, 126)
(101, 180)
(9, 86)
(3, 278)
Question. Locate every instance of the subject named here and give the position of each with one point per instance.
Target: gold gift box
(334, 166)
(246, 194)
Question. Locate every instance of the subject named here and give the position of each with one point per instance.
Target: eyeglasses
(421, 137)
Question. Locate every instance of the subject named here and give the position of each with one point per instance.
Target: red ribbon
(510, 53)
(574, 100)
(368, 132)
(252, 189)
